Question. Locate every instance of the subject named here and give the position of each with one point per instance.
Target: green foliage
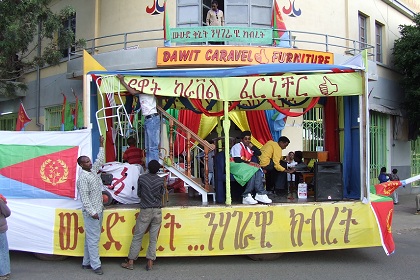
(23, 24)
(407, 60)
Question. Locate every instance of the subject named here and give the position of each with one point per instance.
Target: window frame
(379, 42)
(8, 122)
(363, 31)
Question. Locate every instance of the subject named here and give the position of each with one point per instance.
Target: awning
(389, 110)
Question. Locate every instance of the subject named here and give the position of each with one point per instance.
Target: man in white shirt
(151, 121)
(89, 186)
(215, 16)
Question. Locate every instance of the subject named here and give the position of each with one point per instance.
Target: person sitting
(300, 165)
(291, 178)
(246, 172)
(133, 155)
(276, 169)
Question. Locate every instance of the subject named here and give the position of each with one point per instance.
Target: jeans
(255, 183)
(152, 135)
(93, 229)
(148, 216)
(4, 255)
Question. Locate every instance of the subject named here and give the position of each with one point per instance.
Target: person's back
(383, 177)
(133, 155)
(150, 190)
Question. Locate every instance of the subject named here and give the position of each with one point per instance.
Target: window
(53, 117)
(68, 25)
(313, 130)
(362, 31)
(378, 36)
(415, 160)
(8, 122)
(378, 144)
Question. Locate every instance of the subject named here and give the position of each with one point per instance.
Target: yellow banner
(220, 230)
(249, 89)
(237, 56)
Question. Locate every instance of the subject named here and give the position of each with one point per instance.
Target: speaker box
(328, 181)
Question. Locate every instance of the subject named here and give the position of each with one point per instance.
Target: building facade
(125, 35)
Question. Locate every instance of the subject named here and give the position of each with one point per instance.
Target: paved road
(366, 263)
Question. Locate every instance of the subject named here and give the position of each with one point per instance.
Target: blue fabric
(152, 136)
(265, 69)
(95, 129)
(93, 229)
(4, 255)
(351, 162)
(275, 134)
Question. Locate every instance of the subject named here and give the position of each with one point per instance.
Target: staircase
(186, 155)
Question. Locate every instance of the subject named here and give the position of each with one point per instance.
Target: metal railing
(188, 153)
(154, 38)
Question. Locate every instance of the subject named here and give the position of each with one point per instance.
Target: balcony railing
(154, 38)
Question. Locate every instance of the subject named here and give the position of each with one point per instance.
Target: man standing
(270, 160)
(89, 186)
(150, 191)
(215, 16)
(246, 172)
(151, 121)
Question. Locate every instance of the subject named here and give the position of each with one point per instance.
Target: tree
(31, 35)
(407, 60)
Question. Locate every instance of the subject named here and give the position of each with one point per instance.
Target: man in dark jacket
(150, 191)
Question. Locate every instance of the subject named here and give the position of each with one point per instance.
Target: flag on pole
(22, 119)
(166, 27)
(66, 118)
(280, 37)
(77, 114)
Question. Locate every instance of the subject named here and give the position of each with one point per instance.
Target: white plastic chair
(109, 88)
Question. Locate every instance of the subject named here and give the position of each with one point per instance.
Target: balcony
(137, 50)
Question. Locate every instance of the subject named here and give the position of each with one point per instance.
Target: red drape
(110, 154)
(331, 129)
(258, 124)
(190, 120)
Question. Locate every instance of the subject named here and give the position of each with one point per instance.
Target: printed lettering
(171, 225)
(69, 230)
(111, 222)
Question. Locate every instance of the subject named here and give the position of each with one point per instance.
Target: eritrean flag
(42, 164)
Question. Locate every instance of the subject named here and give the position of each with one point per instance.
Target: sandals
(127, 265)
(149, 265)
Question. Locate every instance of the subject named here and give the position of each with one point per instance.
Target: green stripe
(379, 198)
(12, 154)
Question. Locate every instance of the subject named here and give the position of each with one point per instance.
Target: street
(366, 263)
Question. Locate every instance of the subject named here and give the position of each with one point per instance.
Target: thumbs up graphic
(328, 88)
(261, 57)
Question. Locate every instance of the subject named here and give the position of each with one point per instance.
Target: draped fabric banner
(383, 207)
(239, 118)
(123, 187)
(250, 89)
(259, 127)
(192, 121)
(331, 130)
(41, 164)
(198, 231)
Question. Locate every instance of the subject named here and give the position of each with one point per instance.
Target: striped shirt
(89, 186)
(150, 190)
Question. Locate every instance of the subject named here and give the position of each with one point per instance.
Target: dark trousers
(275, 180)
